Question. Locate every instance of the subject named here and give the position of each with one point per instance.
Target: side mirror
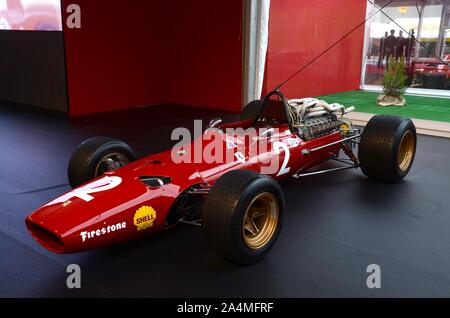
(215, 122)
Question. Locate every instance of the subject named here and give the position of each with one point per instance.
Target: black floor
(336, 224)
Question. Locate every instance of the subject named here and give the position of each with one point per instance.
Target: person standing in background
(390, 45)
(401, 46)
(410, 46)
(382, 50)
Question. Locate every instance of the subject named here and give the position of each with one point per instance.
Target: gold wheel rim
(260, 221)
(406, 151)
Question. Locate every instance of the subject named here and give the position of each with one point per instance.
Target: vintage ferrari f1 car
(239, 207)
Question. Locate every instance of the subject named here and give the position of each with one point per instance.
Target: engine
(316, 118)
(317, 127)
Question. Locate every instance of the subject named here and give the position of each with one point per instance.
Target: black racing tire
(387, 148)
(83, 165)
(236, 199)
(252, 110)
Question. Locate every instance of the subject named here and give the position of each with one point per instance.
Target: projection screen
(30, 15)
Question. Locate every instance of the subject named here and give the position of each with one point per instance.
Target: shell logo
(144, 217)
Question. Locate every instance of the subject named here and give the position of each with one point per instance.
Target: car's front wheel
(243, 215)
(96, 156)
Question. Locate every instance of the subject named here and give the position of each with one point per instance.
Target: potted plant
(394, 84)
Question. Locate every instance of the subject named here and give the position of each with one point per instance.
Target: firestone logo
(85, 235)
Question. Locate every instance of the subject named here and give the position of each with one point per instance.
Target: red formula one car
(238, 202)
(430, 72)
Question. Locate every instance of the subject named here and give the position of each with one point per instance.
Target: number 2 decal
(84, 192)
(277, 146)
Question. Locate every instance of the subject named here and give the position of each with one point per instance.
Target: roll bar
(285, 106)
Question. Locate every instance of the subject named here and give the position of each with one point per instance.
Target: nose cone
(122, 205)
(97, 214)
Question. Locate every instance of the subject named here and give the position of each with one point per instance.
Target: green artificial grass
(430, 108)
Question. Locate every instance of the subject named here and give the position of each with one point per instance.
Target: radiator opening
(45, 237)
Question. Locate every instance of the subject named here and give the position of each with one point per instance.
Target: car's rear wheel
(96, 156)
(252, 110)
(387, 148)
(243, 216)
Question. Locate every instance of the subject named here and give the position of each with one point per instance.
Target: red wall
(141, 53)
(113, 61)
(299, 31)
(205, 47)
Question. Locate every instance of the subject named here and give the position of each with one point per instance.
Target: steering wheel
(268, 121)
